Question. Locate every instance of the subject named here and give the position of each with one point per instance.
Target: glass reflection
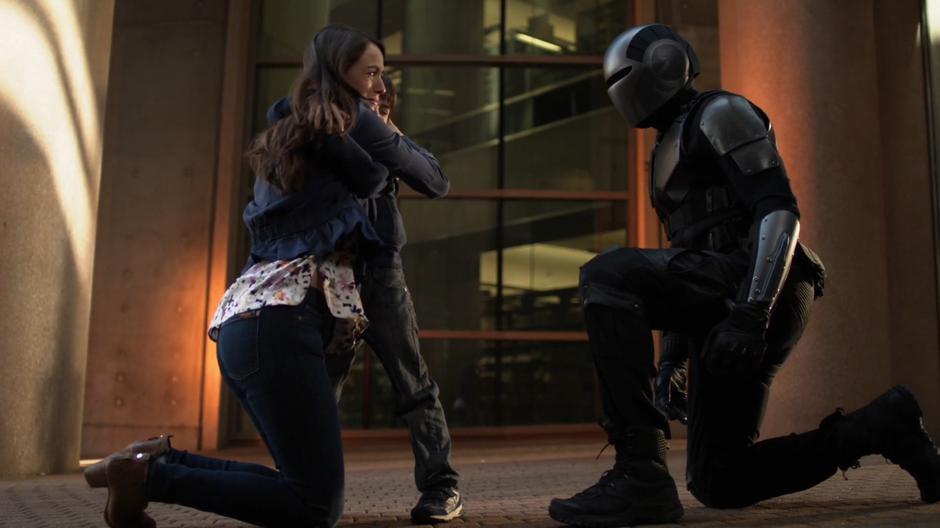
(559, 27)
(442, 262)
(453, 112)
(286, 26)
(427, 27)
(451, 260)
(271, 85)
(565, 116)
(545, 243)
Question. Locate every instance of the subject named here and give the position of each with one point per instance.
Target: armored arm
(740, 137)
(776, 242)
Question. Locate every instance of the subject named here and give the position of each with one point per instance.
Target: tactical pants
(628, 292)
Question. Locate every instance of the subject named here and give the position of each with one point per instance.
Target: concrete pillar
(819, 72)
(912, 288)
(54, 57)
(146, 356)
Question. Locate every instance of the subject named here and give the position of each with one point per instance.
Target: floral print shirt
(285, 283)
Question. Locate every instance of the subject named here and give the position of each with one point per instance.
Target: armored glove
(671, 381)
(736, 345)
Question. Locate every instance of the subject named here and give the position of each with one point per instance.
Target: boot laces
(608, 480)
(854, 465)
(829, 422)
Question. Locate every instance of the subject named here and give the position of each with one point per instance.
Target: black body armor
(692, 197)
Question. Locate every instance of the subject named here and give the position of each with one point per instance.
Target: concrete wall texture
(54, 57)
(148, 318)
(843, 83)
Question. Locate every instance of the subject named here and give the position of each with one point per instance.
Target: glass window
(512, 382)
(485, 383)
(441, 27)
(558, 27)
(545, 383)
(359, 390)
(566, 117)
(453, 112)
(540, 382)
(271, 85)
(476, 265)
(545, 243)
(451, 260)
(286, 26)
(442, 260)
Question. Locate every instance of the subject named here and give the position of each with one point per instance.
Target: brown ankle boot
(127, 492)
(95, 474)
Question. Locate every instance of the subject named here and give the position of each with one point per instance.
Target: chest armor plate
(670, 178)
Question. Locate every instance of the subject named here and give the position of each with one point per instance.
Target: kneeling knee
(335, 508)
(624, 268)
(597, 271)
(719, 489)
(318, 506)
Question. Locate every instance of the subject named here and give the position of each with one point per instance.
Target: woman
(276, 321)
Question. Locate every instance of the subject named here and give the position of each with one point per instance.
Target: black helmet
(644, 67)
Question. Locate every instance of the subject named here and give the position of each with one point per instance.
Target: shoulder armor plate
(756, 156)
(729, 121)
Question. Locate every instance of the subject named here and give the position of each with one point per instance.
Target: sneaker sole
(434, 519)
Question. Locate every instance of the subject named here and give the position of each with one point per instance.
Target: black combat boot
(637, 490)
(891, 425)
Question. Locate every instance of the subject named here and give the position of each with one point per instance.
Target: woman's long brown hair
(321, 103)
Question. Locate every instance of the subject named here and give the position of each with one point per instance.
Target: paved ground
(505, 484)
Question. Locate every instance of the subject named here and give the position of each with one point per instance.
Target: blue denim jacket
(404, 159)
(324, 210)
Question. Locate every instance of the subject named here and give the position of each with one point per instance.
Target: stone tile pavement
(505, 484)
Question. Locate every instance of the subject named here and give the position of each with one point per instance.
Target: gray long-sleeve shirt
(405, 160)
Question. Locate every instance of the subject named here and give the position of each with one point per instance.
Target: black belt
(717, 202)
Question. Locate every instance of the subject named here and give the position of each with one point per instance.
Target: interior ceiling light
(538, 43)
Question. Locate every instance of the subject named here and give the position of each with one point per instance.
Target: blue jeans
(393, 335)
(272, 360)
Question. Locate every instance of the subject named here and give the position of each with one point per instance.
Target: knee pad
(602, 294)
(606, 280)
(597, 270)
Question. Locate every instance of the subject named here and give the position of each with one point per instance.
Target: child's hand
(394, 127)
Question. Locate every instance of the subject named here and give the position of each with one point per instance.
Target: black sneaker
(619, 499)
(437, 506)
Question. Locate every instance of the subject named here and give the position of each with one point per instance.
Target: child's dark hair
(390, 97)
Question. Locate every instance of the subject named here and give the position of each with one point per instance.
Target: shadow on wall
(50, 144)
(40, 335)
(48, 83)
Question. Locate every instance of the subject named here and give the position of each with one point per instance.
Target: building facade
(509, 95)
